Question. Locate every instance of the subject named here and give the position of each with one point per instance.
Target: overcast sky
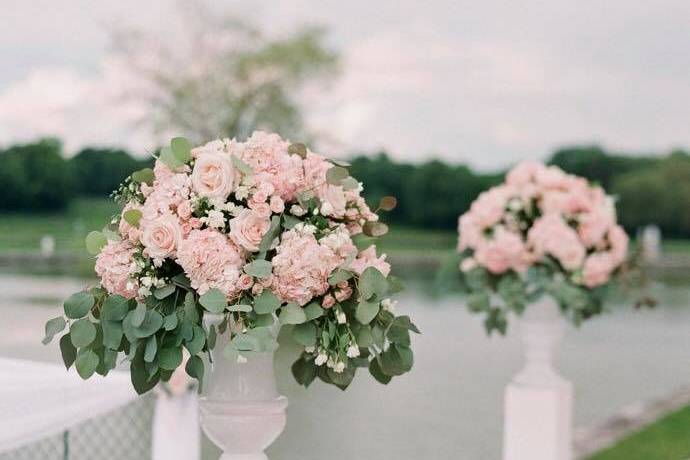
(481, 82)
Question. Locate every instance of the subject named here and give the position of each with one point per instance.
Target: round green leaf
(292, 314)
(86, 363)
(214, 301)
(366, 311)
(259, 268)
(170, 358)
(153, 321)
(336, 175)
(132, 217)
(53, 327)
(95, 242)
(195, 368)
(115, 308)
(266, 302)
(78, 305)
(305, 334)
(112, 333)
(144, 176)
(372, 282)
(82, 332)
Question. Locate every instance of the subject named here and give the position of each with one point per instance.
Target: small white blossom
(242, 192)
(515, 204)
(389, 304)
(129, 286)
(241, 359)
(215, 219)
(297, 210)
(330, 363)
(321, 359)
(340, 317)
(315, 211)
(339, 367)
(352, 351)
(144, 291)
(146, 281)
(309, 349)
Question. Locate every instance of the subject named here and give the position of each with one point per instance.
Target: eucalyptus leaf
(266, 302)
(214, 301)
(150, 349)
(377, 373)
(366, 311)
(298, 149)
(195, 368)
(67, 350)
(388, 203)
(95, 242)
(181, 149)
(305, 334)
(78, 305)
(372, 282)
(112, 333)
(144, 176)
(82, 332)
(241, 166)
(292, 314)
(138, 315)
(53, 327)
(153, 321)
(132, 217)
(336, 175)
(165, 291)
(114, 308)
(338, 276)
(313, 310)
(86, 363)
(304, 371)
(259, 268)
(170, 358)
(375, 229)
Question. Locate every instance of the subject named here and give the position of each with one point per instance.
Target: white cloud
(481, 82)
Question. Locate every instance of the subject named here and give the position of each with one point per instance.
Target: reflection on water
(450, 405)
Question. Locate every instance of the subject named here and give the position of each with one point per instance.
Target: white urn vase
(241, 409)
(538, 401)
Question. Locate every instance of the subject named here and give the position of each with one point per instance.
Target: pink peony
(161, 236)
(503, 252)
(301, 267)
(213, 175)
(597, 269)
(368, 258)
(211, 260)
(113, 265)
(551, 235)
(248, 228)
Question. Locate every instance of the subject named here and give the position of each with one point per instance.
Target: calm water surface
(450, 406)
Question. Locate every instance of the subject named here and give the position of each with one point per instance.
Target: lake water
(450, 406)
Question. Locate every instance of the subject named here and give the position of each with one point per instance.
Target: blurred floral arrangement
(540, 232)
(254, 232)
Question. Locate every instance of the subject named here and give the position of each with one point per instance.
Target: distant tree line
(650, 189)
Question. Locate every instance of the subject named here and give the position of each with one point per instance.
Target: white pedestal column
(538, 401)
(241, 410)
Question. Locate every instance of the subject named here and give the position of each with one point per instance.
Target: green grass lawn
(23, 232)
(667, 439)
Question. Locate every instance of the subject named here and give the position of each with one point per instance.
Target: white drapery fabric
(39, 400)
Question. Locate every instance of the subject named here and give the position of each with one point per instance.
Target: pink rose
(328, 301)
(343, 293)
(368, 258)
(161, 236)
(113, 265)
(245, 282)
(248, 228)
(597, 269)
(213, 175)
(489, 208)
(211, 260)
(277, 204)
(260, 208)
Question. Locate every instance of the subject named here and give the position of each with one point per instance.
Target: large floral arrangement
(541, 232)
(252, 233)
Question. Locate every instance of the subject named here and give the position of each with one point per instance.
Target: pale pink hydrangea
(619, 244)
(113, 268)
(368, 258)
(551, 235)
(211, 260)
(168, 192)
(267, 155)
(504, 251)
(471, 233)
(248, 228)
(301, 267)
(490, 206)
(524, 173)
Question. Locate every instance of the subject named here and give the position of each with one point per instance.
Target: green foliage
(78, 305)
(214, 301)
(111, 167)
